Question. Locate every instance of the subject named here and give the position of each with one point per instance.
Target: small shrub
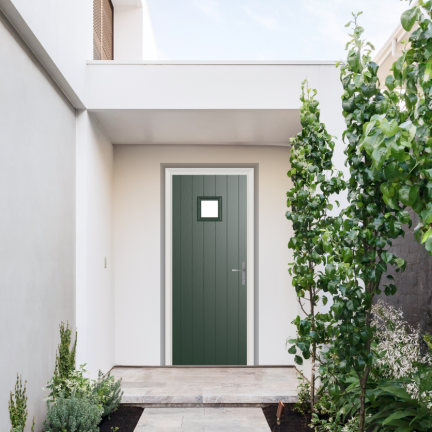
(18, 407)
(65, 361)
(72, 414)
(303, 391)
(352, 425)
(402, 355)
(76, 384)
(108, 392)
(326, 417)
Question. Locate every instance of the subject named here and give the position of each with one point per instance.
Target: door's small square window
(210, 209)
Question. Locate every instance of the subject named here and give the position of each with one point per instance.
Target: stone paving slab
(207, 385)
(202, 420)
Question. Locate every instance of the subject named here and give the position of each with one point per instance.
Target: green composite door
(209, 299)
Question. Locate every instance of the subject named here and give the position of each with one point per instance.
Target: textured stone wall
(414, 293)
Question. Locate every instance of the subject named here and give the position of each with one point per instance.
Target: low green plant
(303, 392)
(108, 392)
(75, 384)
(18, 407)
(72, 414)
(428, 339)
(65, 362)
(326, 417)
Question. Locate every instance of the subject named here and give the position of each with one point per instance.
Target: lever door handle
(243, 270)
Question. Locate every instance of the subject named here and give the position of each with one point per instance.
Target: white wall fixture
(249, 172)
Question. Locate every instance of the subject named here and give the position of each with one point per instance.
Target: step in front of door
(207, 386)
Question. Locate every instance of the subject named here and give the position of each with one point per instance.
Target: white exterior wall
(133, 32)
(37, 223)
(128, 33)
(64, 31)
(138, 242)
(205, 85)
(95, 288)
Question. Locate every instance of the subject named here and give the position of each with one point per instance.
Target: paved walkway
(145, 385)
(202, 420)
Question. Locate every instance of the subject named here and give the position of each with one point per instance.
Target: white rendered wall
(95, 289)
(128, 33)
(211, 85)
(37, 223)
(133, 32)
(64, 29)
(137, 245)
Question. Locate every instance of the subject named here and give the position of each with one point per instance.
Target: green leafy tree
(359, 258)
(309, 199)
(409, 168)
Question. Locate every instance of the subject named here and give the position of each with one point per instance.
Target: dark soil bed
(125, 418)
(292, 421)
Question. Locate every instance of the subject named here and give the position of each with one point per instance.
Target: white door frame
(249, 172)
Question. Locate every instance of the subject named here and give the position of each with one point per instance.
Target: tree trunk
(362, 413)
(312, 386)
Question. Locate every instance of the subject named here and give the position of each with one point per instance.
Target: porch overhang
(219, 103)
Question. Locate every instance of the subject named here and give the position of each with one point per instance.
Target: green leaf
(352, 305)
(354, 338)
(354, 60)
(327, 247)
(398, 152)
(408, 18)
(428, 71)
(389, 128)
(298, 360)
(398, 415)
(392, 171)
(408, 194)
(379, 156)
(368, 127)
(330, 271)
(314, 335)
(292, 350)
(347, 255)
(400, 262)
(349, 105)
(404, 428)
(389, 82)
(373, 141)
(428, 245)
(426, 235)
(324, 300)
(404, 217)
(396, 390)
(387, 256)
(304, 328)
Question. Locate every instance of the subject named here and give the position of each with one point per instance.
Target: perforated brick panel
(103, 30)
(414, 292)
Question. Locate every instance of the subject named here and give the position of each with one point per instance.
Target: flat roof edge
(212, 62)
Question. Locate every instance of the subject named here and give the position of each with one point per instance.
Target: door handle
(243, 270)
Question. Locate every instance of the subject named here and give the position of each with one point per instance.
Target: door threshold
(206, 366)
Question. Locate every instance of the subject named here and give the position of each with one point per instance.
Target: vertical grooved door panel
(209, 299)
(198, 277)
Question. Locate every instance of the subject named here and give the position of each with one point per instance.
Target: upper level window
(103, 30)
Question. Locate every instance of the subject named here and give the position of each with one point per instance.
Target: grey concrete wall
(37, 222)
(414, 294)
